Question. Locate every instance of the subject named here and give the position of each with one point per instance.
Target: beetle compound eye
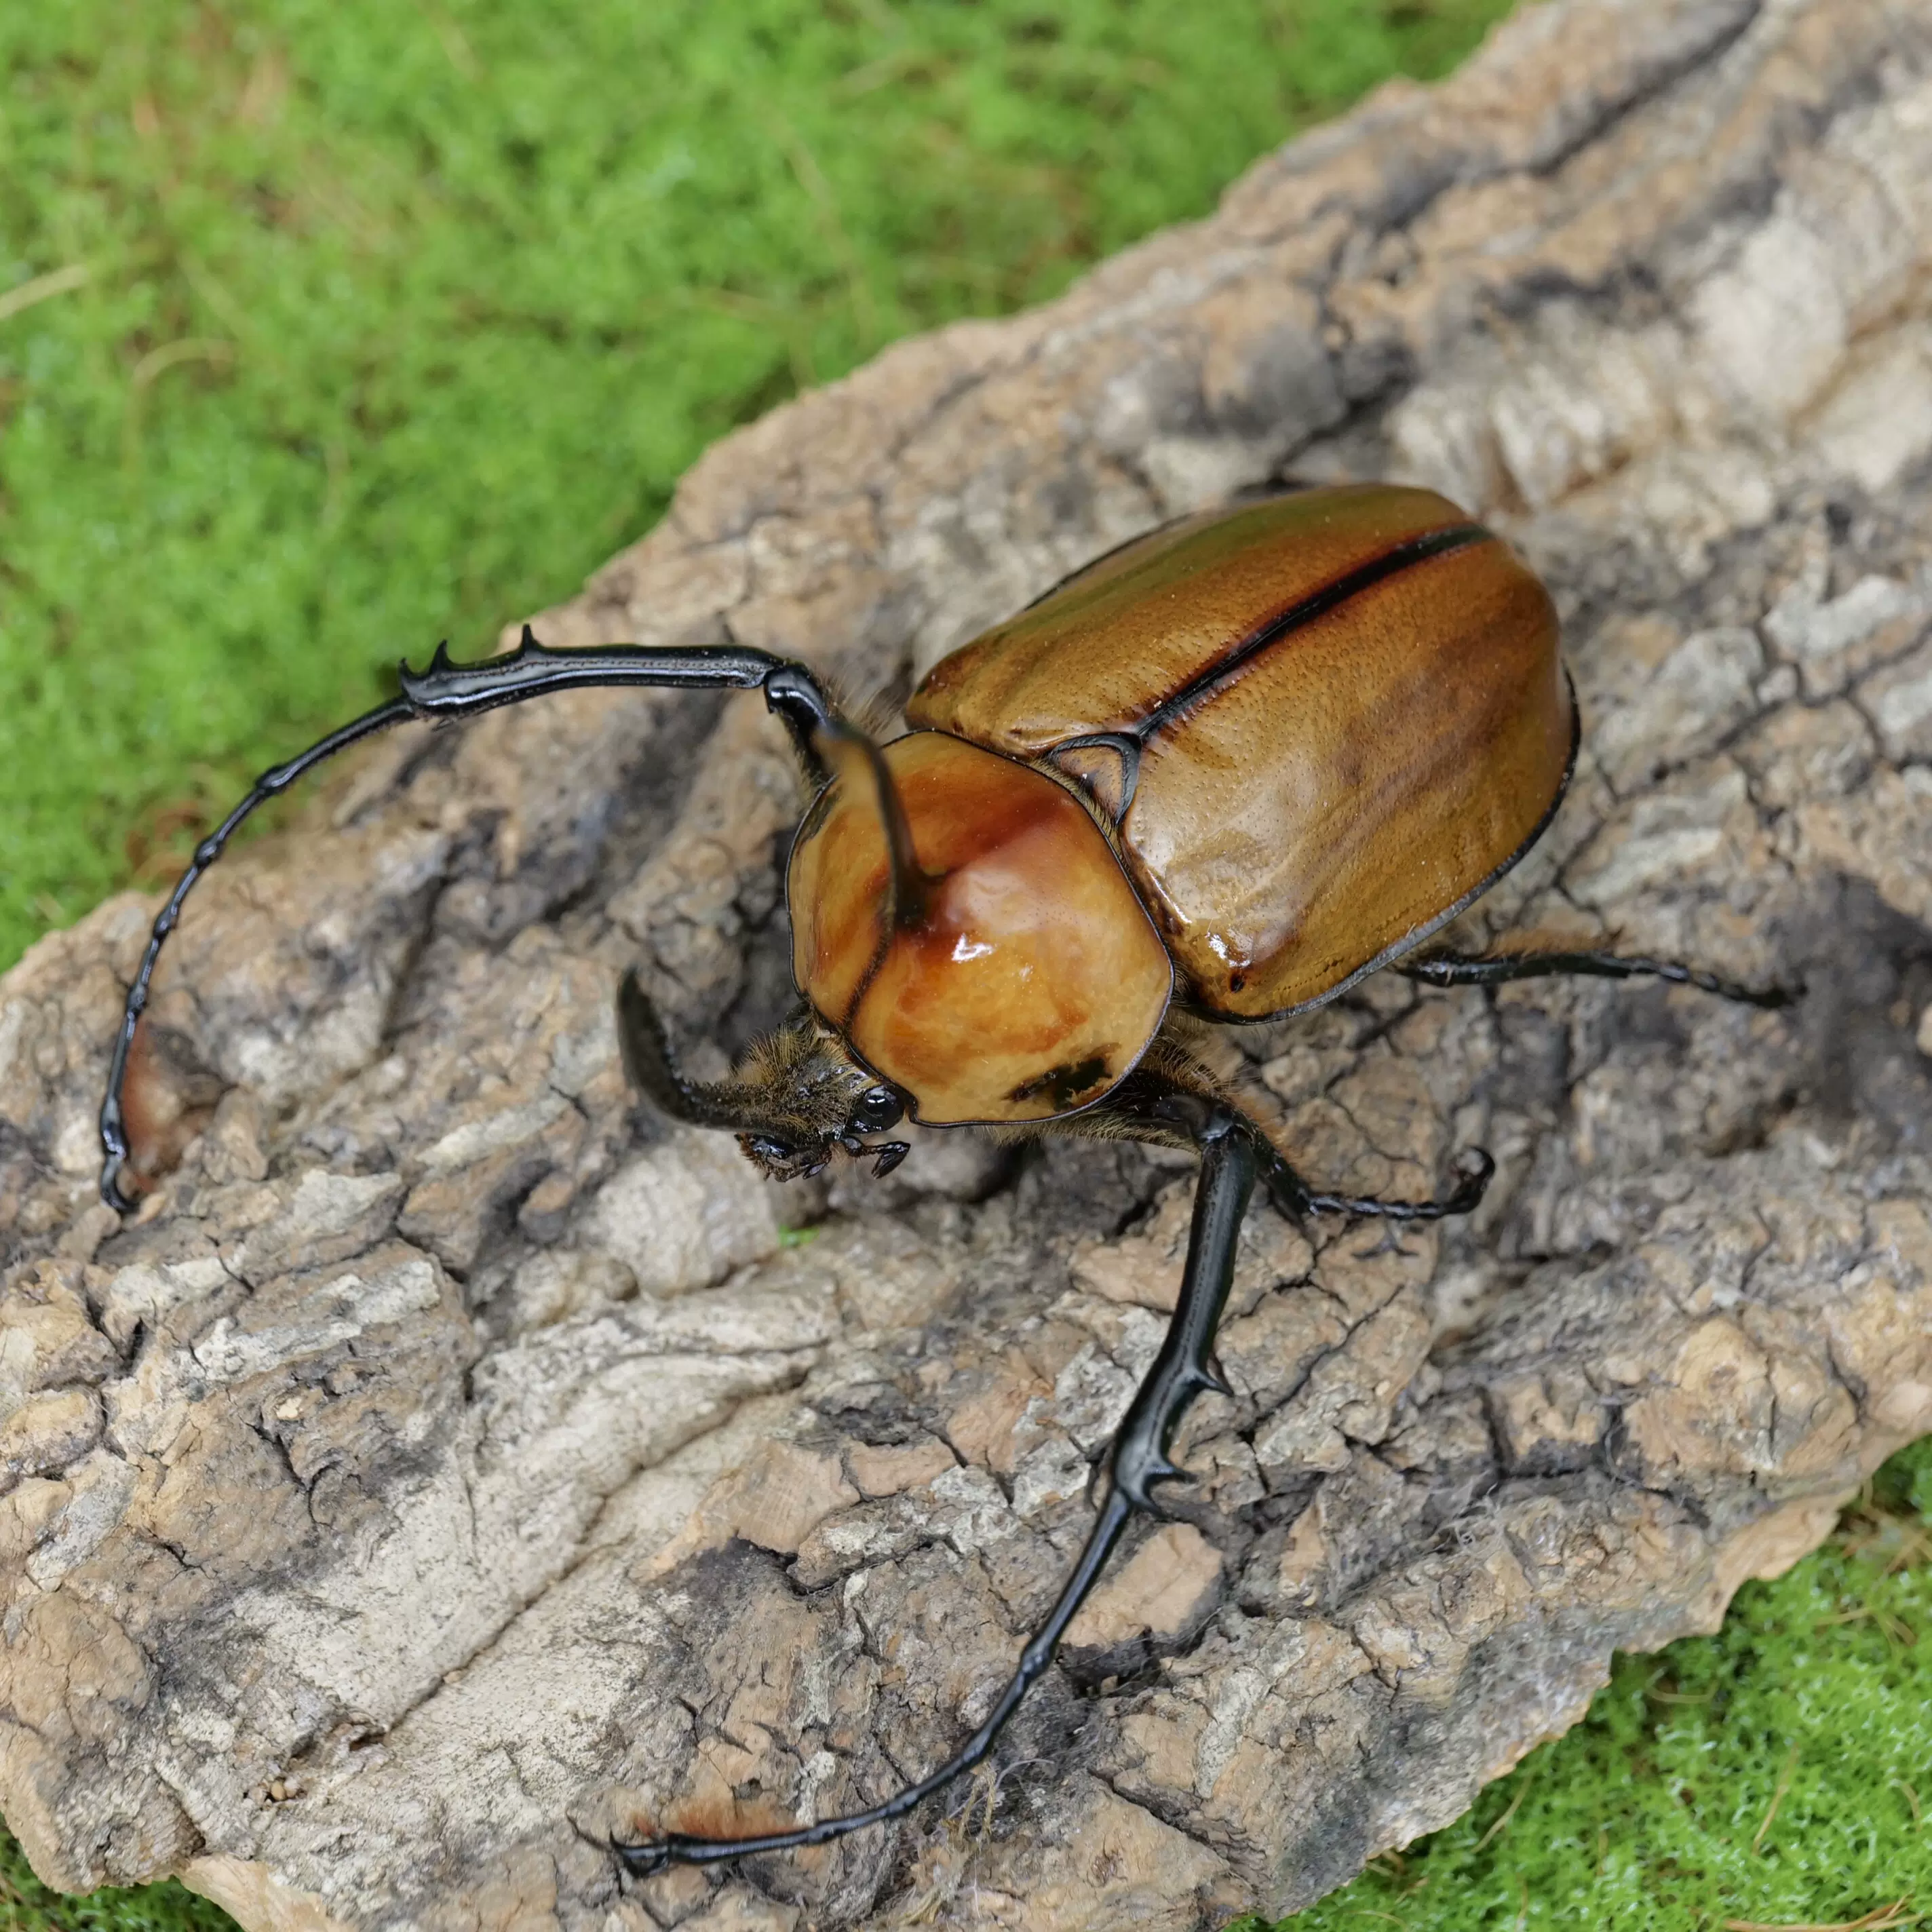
(876, 1109)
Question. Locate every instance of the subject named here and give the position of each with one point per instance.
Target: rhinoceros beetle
(1219, 775)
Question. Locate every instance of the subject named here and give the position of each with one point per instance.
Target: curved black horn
(857, 758)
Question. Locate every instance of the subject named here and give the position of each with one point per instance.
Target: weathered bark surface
(451, 1467)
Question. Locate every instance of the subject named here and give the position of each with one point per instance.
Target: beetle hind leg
(1464, 969)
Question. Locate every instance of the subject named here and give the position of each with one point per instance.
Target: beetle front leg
(1230, 1162)
(447, 690)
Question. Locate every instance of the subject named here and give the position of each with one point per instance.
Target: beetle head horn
(796, 1097)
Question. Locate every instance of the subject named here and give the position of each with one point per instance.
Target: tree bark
(450, 1466)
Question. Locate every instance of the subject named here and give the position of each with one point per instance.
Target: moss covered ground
(329, 327)
(1778, 1774)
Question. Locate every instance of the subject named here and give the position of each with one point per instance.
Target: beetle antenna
(857, 758)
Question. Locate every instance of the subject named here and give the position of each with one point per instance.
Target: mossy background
(330, 328)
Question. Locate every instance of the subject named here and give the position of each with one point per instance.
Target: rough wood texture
(450, 1467)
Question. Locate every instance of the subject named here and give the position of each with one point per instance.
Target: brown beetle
(1220, 774)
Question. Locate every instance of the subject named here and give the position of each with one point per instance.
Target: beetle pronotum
(1224, 772)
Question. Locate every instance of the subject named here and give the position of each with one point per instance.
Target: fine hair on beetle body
(1216, 777)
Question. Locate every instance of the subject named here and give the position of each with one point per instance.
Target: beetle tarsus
(114, 1148)
(1230, 1162)
(1480, 1166)
(1462, 969)
(887, 1157)
(1296, 1200)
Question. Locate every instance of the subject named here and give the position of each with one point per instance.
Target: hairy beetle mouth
(781, 1160)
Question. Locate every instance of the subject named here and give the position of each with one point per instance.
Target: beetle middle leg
(1294, 1197)
(1230, 1161)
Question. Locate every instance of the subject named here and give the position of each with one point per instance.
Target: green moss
(373, 324)
(27, 1906)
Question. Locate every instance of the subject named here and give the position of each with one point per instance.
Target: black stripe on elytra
(1416, 550)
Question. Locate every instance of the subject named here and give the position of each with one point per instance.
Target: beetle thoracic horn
(857, 759)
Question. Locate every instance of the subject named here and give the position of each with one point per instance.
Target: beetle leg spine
(447, 689)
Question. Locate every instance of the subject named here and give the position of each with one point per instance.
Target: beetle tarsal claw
(1477, 1166)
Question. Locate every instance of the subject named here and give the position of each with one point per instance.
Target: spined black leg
(448, 690)
(1229, 1162)
(1460, 969)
